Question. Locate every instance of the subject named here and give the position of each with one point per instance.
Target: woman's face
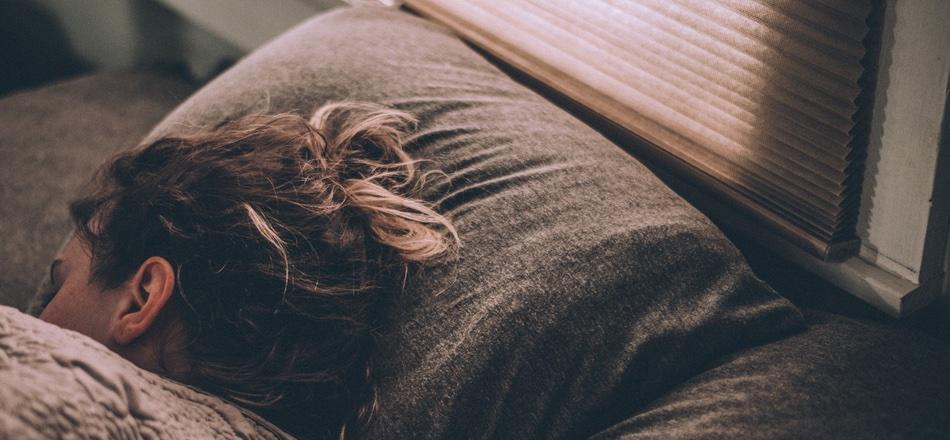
(125, 319)
(80, 304)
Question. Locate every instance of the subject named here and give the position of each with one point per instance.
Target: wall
(126, 34)
(904, 206)
(248, 23)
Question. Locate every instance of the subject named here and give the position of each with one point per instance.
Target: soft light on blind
(755, 98)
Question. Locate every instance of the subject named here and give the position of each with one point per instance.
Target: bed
(589, 300)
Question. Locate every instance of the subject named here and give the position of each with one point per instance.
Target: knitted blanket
(57, 383)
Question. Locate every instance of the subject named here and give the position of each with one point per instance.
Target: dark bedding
(588, 298)
(841, 378)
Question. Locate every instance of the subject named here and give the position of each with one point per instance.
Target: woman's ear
(144, 298)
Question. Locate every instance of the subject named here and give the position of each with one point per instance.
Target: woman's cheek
(77, 310)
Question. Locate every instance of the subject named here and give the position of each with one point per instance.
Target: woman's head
(257, 256)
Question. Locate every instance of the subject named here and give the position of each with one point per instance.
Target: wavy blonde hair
(289, 238)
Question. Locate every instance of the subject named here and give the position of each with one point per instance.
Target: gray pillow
(58, 383)
(842, 378)
(585, 288)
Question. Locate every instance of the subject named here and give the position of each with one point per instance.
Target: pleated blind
(756, 100)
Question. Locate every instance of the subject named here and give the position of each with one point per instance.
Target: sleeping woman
(256, 260)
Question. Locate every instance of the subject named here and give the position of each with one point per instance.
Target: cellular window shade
(756, 100)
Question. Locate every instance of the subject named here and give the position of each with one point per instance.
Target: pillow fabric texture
(58, 383)
(585, 288)
(843, 378)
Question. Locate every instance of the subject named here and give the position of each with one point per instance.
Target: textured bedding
(57, 383)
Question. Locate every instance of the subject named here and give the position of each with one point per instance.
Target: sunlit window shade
(756, 99)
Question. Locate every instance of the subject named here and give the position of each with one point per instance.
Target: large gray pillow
(585, 287)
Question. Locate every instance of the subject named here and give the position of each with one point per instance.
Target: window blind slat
(855, 9)
(822, 108)
(810, 33)
(756, 59)
(736, 121)
(795, 135)
(758, 39)
(755, 99)
(836, 23)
